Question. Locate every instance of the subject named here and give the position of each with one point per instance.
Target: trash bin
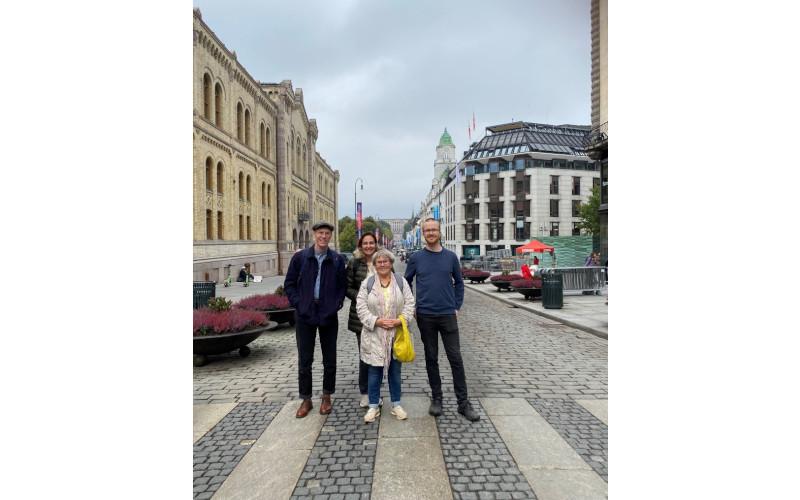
(552, 290)
(203, 290)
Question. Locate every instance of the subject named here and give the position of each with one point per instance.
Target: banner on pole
(358, 219)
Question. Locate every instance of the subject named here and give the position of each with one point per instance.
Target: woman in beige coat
(379, 310)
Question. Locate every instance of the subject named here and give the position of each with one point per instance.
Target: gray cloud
(384, 78)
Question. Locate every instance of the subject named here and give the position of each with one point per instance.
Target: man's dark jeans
(305, 334)
(430, 325)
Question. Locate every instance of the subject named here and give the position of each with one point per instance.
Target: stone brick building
(259, 183)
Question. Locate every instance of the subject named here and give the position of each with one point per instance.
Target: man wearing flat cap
(315, 283)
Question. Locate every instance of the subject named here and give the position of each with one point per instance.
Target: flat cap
(322, 224)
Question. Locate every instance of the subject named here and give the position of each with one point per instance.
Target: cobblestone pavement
(343, 458)
(583, 431)
(220, 450)
(508, 352)
(478, 463)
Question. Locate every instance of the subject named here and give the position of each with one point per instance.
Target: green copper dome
(445, 140)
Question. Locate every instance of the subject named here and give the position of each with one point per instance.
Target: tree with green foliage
(589, 215)
(347, 231)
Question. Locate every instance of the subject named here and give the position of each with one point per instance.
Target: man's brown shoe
(305, 407)
(326, 405)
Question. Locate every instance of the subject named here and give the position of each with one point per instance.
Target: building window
(553, 184)
(554, 208)
(249, 237)
(576, 185)
(218, 105)
(263, 229)
(241, 186)
(595, 182)
(261, 140)
(209, 173)
(248, 188)
(263, 194)
(219, 178)
(241, 226)
(268, 142)
(247, 127)
(554, 229)
(239, 121)
(576, 208)
(207, 96)
(219, 225)
(269, 229)
(209, 225)
(269, 195)
(576, 229)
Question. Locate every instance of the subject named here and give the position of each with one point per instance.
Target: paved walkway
(540, 386)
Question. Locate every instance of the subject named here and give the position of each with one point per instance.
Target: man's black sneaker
(468, 412)
(436, 408)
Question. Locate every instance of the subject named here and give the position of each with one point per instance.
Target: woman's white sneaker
(399, 412)
(372, 414)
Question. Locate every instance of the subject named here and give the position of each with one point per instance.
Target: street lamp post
(355, 203)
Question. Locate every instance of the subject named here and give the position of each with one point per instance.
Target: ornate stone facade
(259, 183)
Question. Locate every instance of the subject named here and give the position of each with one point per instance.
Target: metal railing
(583, 279)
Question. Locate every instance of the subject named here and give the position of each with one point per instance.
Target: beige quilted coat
(376, 342)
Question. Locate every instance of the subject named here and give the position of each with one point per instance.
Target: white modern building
(520, 181)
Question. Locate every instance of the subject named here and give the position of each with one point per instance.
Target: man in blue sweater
(440, 294)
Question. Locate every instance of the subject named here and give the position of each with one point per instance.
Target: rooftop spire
(445, 140)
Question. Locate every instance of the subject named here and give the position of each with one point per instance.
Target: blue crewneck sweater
(440, 287)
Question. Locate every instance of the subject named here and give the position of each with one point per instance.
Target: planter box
(206, 345)
(501, 285)
(280, 316)
(529, 293)
(477, 280)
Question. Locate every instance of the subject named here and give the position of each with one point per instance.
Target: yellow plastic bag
(403, 347)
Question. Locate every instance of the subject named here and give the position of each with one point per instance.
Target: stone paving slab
(587, 435)
(418, 423)
(508, 406)
(411, 485)
(566, 484)
(206, 416)
(274, 463)
(220, 450)
(533, 443)
(597, 407)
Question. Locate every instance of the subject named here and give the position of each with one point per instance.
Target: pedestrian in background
(315, 285)
(380, 303)
(440, 294)
(358, 269)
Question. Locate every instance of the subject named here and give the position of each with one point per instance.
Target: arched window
(269, 229)
(269, 195)
(262, 140)
(247, 127)
(269, 141)
(294, 237)
(248, 188)
(219, 179)
(291, 155)
(239, 121)
(241, 187)
(305, 164)
(263, 194)
(207, 96)
(209, 174)
(218, 105)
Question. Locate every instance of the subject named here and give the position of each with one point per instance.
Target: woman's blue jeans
(375, 381)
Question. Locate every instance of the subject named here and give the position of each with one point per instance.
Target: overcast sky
(384, 78)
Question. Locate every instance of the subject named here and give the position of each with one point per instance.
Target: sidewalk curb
(588, 329)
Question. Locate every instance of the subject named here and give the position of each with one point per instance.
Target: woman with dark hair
(358, 268)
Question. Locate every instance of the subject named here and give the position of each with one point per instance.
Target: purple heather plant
(264, 302)
(208, 322)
